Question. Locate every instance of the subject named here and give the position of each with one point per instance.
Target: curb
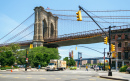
(114, 78)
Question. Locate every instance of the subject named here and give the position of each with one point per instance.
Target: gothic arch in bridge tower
(45, 26)
(45, 35)
(52, 31)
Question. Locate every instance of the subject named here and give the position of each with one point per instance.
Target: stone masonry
(45, 26)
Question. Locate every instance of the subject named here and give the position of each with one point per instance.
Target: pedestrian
(12, 66)
(39, 66)
(86, 68)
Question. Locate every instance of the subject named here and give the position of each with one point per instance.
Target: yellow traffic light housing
(79, 16)
(114, 55)
(105, 40)
(31, 46)
(112, 47)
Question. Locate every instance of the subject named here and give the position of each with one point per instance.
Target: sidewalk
(115, 75)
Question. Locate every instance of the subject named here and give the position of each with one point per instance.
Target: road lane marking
(41, 75)
(28, 77)
(92, 79)
(74, 79)
(4, 76)
(42, 78)
(15, 77)
(0, 74)
(58, 78)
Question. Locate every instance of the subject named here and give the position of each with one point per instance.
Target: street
(66, 75)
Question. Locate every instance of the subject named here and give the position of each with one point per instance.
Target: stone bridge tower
(45, 26)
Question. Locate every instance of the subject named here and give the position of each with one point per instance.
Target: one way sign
(109, 55)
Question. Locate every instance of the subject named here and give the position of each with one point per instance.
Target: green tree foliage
(38, 55)
(8, 54)
(21, 57)
(7, 58)
(72, 62)
(67, 60)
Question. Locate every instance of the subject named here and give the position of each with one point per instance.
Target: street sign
(109, 55)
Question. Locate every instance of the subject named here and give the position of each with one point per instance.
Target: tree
(38, 55)
(8, 54)
(42, 55)
(67, 60)
(7, 58)
(72, 62)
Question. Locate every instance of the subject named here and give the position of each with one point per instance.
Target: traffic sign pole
(104, 59)
(110, 72)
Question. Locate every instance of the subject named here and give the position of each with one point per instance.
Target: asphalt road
(67, 75)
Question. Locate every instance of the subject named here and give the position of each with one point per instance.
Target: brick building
(121, 40)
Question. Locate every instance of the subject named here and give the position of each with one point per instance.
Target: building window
(119, 36)
(126, 44)
(119, 55)
(113, 37)
(126, 36)
(119, 44)
(126, 55)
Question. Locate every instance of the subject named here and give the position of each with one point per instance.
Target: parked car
(128, 69)
(96, 68)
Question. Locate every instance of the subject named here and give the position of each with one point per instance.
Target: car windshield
(51, 64)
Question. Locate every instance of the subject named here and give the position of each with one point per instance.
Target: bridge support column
(38, 29)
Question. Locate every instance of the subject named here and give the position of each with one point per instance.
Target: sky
(13, 12)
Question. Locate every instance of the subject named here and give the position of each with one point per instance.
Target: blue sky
(13, 12)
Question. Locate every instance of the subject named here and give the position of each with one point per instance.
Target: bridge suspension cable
(105, 17)
(19, 33)
(97, 21)
(17, 26)
(91, 11)
(25, 36)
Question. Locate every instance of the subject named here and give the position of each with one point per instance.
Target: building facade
(121, 40)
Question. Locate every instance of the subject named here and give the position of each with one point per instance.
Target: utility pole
(26, 60)
(110, 72)
(104, 59)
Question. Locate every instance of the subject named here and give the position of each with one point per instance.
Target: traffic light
(112, 47)
(31, 45)
(106, 61)
(105, 40)
(114, 55)
(79, 16)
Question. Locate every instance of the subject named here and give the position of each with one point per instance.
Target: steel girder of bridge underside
(76, 41)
